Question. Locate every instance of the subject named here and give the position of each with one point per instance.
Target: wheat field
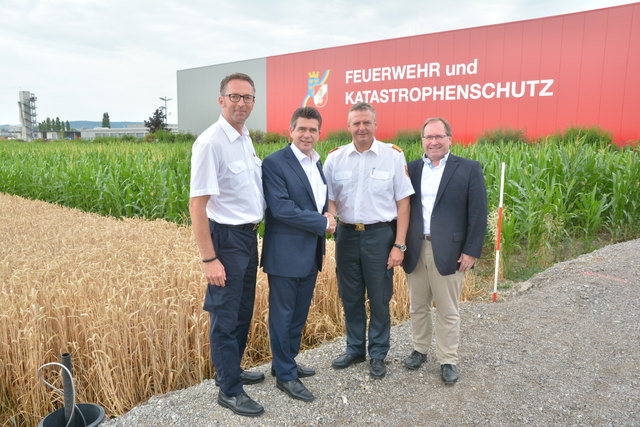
(124, 297)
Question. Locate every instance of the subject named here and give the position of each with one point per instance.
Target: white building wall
(138, 132)
(199, 88)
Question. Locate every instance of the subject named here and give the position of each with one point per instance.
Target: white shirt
(429, 184)
(310, 168)
(225, 167)
(366, 186)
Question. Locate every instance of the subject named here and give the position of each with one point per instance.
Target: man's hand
(332, 223)
(396, 256)
(466, 262)
(214, 273)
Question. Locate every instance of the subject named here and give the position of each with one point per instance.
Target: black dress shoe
(240, 404)
(346, 360)
(415, 360)
(377, 369)
(303, 371)
(295, 389)
(247, 378)
(449, 373)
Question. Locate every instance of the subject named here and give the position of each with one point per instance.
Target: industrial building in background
(28, 116)
(29, 130)
(540, 76)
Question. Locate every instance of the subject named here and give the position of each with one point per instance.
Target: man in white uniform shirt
(226, 205)
(369, 191)
(446, 232)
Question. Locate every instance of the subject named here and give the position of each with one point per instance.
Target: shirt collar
(230, 131)
(442, 163)
(301, 156)
(375, 147)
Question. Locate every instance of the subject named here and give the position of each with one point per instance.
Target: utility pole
(166, 113)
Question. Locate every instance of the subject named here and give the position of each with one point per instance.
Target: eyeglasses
(438, 138)
(234, 97)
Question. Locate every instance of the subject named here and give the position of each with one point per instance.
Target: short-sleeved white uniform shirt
(366, 186)
(224, 166)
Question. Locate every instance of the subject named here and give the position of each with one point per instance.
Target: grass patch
(502, 135)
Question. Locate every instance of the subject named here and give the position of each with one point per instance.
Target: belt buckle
(359, 226)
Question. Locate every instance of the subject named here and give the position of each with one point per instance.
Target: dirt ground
(562, 349)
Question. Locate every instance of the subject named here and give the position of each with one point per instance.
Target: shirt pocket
(381, 182)
(238, 176)
(342, 182)
(258, 167)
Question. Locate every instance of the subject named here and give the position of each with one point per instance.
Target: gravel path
(563, 350)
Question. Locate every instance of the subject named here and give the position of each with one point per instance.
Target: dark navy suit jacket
(458, 219)
(294, 233)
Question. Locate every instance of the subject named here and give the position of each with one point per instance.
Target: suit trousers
(427, 285)
(361, 265)
(289, 301)
(230, 307)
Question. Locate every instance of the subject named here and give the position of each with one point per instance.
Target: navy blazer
(458, 219)
(294, 232)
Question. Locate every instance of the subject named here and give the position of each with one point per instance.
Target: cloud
(84, 57)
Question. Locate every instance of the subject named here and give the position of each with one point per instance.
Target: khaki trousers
(427, 285)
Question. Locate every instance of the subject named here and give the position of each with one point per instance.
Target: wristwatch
(401, 247)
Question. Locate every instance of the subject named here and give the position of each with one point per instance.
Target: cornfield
(122, 180)
(554, 188)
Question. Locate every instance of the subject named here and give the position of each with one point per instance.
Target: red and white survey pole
(495, 276)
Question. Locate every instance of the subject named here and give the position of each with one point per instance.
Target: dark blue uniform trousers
(230, 307)
(361, 264)
(289, 301)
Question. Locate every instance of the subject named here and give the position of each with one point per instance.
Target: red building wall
(539, 75)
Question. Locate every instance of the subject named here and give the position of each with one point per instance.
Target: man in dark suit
(296, 221)
(447, 226)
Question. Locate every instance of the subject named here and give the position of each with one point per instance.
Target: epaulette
(333, 150)
(395, 147)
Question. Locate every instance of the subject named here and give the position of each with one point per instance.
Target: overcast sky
(82, 58)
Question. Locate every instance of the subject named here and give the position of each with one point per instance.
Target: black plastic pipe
(67, 385)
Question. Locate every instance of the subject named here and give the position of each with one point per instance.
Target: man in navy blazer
(447, 225)
(296, 221)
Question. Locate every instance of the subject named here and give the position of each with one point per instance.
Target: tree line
(156, 122)
(54, 125)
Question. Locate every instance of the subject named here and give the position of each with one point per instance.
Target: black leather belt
(426, 237)
(244, 227)
(362, 227)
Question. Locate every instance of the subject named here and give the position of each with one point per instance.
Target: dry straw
(125, 298)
